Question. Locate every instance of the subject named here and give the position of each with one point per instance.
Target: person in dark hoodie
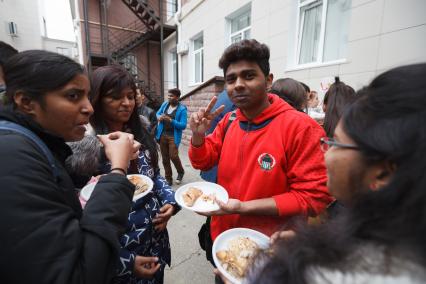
(45, 235)
(270, 160)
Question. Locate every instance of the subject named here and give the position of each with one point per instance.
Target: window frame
(246, 9)
(242, 31)
(194, 52)
(299, 35)
(172, 7)
(64, 51)
(173, 69)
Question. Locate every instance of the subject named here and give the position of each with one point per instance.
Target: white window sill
(315, 65)
(194, 84)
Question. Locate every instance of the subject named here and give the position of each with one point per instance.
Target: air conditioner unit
(182, 48)
(13, 29)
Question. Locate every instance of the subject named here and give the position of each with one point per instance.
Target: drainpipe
(105, 29)
(87, 32)
(178, 41)
(77, 29)
(161, 50)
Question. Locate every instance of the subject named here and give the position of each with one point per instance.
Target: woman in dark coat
(45, 235)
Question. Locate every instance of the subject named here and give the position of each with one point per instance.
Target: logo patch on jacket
(266, 161)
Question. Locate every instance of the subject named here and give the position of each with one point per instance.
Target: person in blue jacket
(172, 117)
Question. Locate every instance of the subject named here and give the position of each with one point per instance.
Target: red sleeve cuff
(288, 205)
(196, 154)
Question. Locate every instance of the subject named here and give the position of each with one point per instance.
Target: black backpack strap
(7, 125)
(232, 117)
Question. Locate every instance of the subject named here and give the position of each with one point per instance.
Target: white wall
(25, 14)
(382, 34)
(50, 44)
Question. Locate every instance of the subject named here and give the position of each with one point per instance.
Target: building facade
(310, 40)
(23, 25)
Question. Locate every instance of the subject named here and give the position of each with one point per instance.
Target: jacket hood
(56, 144)
(276, 107)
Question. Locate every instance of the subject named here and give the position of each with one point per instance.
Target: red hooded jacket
(276, 155)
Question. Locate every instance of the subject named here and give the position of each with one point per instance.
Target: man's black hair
(175, 92)
(248, 49)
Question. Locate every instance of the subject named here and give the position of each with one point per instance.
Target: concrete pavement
(189, 263)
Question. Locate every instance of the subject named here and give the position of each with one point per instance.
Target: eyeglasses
(327, 142)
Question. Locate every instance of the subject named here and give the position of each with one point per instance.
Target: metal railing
(115, 43)
(119, 37)
(125, 38)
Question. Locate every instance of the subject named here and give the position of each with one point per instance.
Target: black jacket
(149, 114)
(45, 236)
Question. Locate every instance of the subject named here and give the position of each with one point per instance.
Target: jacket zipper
(241, 160)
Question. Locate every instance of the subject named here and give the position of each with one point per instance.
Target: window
(198, 47)
(240, 27)
(239, 24)
(323, 30)
(173, 71)
(171, 8)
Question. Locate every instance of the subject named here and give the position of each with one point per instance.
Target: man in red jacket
(269, 158)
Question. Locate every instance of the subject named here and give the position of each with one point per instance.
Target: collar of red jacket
(276, 107)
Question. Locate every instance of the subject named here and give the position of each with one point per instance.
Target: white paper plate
(148, 180)
(221, 243)
(207, 188)
(87, 191)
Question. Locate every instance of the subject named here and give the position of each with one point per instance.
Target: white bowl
(221, 243)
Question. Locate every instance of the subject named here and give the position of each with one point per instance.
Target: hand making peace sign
(200, 121)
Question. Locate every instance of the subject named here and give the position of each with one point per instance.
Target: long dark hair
(387, 123)
(6, 51)
(37, 72)
(337, 98)
(110, 80)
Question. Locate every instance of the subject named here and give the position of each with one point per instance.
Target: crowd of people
(361, 167)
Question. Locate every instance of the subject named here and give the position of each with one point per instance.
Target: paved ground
(189, 264)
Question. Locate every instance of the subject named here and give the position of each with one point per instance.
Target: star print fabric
(141, 238)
